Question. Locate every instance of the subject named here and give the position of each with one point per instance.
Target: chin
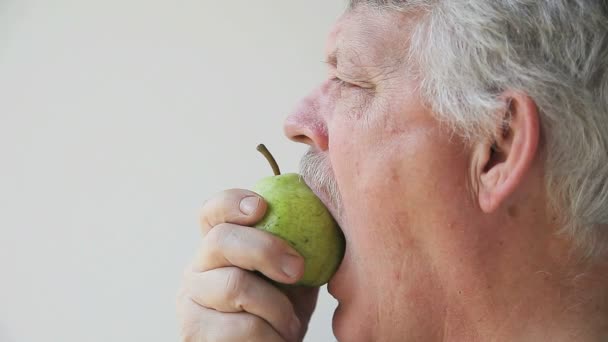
(335, 319)
(347, 329)
(338, 325)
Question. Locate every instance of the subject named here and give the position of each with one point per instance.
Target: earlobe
(503, 164)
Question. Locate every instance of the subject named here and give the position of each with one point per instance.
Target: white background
(117, 119)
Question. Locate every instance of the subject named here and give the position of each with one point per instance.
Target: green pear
(296, 215)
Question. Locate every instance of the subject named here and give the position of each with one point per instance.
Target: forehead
(369, 36)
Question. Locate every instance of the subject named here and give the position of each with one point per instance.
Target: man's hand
(222, 299)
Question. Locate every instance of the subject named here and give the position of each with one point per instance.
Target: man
(462, 145)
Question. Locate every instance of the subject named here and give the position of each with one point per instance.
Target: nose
(307, 124)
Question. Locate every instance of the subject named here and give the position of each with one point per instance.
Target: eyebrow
(339, 54)
(352, 68)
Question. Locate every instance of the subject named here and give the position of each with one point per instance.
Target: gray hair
(469, 52)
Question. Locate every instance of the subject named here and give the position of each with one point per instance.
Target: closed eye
(342, 83)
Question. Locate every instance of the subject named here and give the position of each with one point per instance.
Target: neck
(553, 308)
(527, 298)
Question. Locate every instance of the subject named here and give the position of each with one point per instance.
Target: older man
(462, 145)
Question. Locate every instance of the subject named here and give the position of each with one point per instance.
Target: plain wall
(118, 118)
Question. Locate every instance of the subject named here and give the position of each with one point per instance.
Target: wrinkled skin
(445, 241)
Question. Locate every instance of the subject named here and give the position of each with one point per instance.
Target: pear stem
(273, 163)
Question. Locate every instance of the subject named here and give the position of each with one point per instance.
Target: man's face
(402, 178)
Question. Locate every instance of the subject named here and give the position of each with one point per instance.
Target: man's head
(463, 148)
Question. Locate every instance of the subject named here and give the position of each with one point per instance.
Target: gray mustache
(316, 170)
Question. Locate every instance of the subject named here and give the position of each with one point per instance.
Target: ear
(502, 163)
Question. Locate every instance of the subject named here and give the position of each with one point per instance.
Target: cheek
(373, 193)
(397, 191)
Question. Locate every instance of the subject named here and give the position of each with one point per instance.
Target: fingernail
(249, 204)
(291, 265)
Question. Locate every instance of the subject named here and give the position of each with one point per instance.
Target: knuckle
(261, 255)
(232, 236)
(190, 333)
(227, 327)
(205, 209)
(267, 249)
(220, 242)
(221, 234)
(223, 207)
(249, 325)
(235, 327)
(216, 208)
(190, 323)
(272, 243)
(204, 220)
(235, 286)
